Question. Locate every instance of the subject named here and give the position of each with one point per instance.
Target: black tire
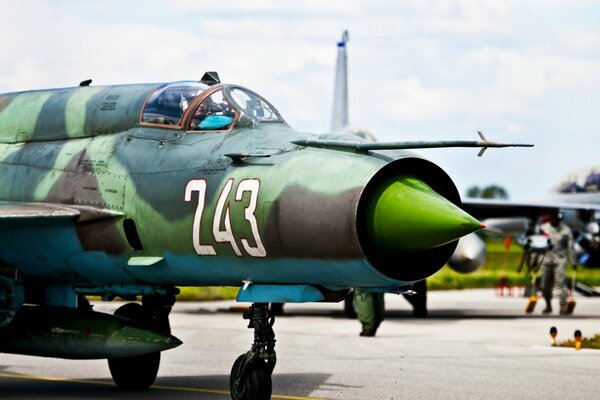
(136, 372)
(277, 308)
(350, 306)
(257, 386)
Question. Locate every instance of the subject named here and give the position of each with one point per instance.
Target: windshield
(254, 106)
(213, 114)
(168, 103)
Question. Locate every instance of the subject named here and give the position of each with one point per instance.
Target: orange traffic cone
(553, 333)
(578, 338)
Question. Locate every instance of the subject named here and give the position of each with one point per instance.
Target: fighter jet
(576, 197)
(131, 190)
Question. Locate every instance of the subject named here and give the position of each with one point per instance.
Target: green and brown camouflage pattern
(85, 148)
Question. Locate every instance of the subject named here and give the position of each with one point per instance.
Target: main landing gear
(139, 372)
(250, 377)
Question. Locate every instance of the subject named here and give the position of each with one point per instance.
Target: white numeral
(226, 235)
(198, 185)
(252, 186)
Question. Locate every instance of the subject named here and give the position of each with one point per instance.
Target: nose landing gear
(250, 377)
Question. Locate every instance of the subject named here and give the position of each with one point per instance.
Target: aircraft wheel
(256, 385)
(350, 306)
(277, 308)
(136, 372)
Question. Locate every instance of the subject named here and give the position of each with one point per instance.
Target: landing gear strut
(250, 377)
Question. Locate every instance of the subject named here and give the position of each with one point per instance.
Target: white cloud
(310, 7)
(518, 70)
(408, 99)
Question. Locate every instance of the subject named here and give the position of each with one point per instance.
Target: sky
(526, 72)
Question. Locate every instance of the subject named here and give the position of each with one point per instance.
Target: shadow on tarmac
(454, 314)
(436, 314)
(287, 386)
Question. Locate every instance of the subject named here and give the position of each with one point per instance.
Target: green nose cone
(406, 214)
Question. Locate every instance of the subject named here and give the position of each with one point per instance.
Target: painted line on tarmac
(160, 387)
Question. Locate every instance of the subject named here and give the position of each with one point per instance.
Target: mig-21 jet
(131, 190)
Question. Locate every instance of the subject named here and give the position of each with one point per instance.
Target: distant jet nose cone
(406, 214)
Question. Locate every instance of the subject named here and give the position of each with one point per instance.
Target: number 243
(225, 234)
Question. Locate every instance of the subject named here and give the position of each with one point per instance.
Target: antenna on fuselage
(210, 78)
(87, 82)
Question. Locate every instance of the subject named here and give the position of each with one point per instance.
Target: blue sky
(418, 70)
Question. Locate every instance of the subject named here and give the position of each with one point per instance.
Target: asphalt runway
(474, 345)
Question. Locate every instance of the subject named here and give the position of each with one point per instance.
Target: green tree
(474, 192)
(488, 192)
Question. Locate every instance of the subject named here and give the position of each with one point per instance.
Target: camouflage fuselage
(294, 217)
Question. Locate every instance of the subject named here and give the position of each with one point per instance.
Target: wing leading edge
(15, 214)
(482, 208)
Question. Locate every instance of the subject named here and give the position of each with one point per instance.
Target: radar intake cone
(406, 214)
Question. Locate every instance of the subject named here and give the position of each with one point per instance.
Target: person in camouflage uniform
(370, 309)
(554, 266)
(418, 299)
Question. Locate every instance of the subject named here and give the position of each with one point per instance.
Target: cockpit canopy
(169, 102)
(195, 106)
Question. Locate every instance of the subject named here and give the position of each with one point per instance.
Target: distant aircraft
(340, 121)
(577, 198)
(132, 190)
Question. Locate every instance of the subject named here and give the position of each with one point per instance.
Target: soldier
(418, 300)
(554, 266)
(370, 309)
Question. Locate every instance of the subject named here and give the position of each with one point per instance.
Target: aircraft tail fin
(339, 117)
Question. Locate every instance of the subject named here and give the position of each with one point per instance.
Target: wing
(15, 214)
(483, 208)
